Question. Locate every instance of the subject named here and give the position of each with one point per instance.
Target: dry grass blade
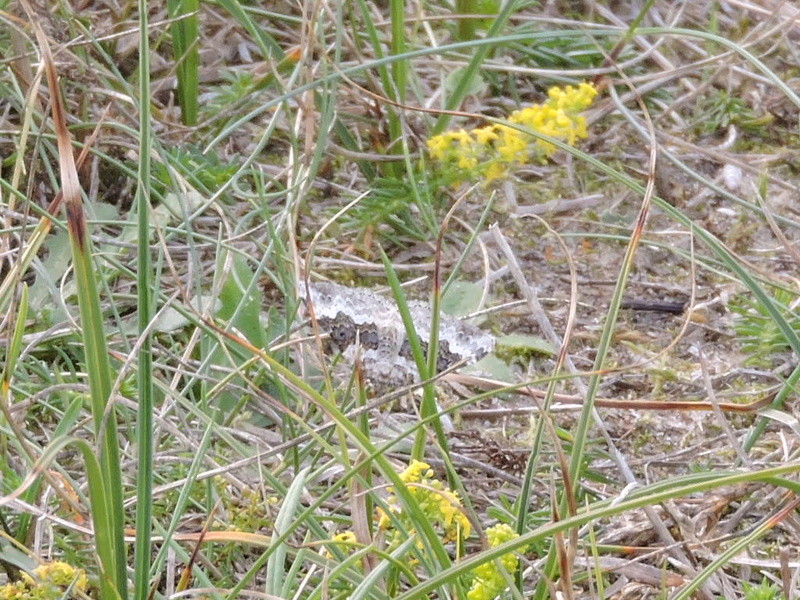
(70, 186)
(105, 490)
(571, 400)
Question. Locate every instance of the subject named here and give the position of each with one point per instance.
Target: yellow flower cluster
(48, 583)
(441, 505)
(490, 151)
(345, 541)
(489, 582)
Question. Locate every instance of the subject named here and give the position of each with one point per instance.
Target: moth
(364, 324)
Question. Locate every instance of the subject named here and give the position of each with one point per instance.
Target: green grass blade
(185, 50)
(14, 345)
(429, 537)
(103, 518)
(98, 369)
(425, 367)
(108, 500)
(275, 564)
(145, 280)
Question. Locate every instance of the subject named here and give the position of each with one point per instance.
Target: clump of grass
(761, 337)
(766, 590)
(395, 212)
(229, 389)
(397, 209)
(205, 172)
(720, 110)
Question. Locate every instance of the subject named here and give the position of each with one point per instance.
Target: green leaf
(241, 303)
(462, 298)
(11, 555)
(492, 366)
(521, 343)
(475, 85)
(171, 319)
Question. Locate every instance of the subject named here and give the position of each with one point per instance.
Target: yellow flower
(572, 99)
(14, 591)
(485, 135)
(47, 583)
(455, 148)
(60, 574)
(441, 146)
(416, 471)
(346, 537)
(344, 541)
(500, 534)
(467, 162)
(488, 581)
(384, 520)
(441, 506)
(495, 170)
(512, 145)
(437, 146)
(490, 151)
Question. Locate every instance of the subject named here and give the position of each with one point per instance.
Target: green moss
(47, 582)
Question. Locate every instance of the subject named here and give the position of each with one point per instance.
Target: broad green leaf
(462, 298)
(521, 343)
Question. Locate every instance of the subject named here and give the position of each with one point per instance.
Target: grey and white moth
(364, 323)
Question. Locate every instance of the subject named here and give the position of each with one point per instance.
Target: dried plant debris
(363, 324)
(501, 456)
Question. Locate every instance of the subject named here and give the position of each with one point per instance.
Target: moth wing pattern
(362, 323)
